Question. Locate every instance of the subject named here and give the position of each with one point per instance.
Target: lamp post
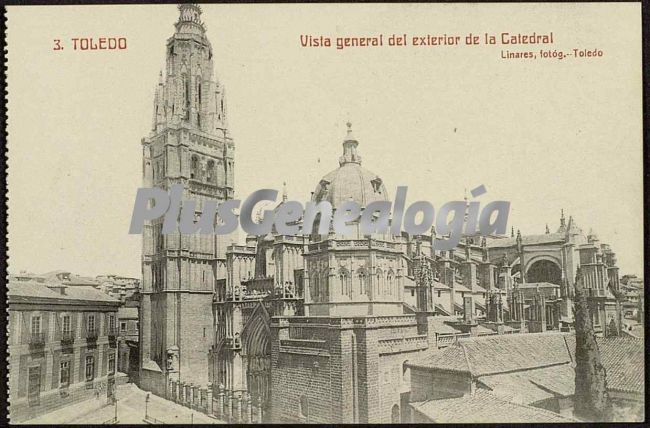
(146, 402)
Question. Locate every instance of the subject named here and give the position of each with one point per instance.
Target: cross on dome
(349, 136)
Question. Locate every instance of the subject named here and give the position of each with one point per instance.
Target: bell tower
(189, 144)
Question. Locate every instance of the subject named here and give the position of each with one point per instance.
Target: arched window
(194, 168)
(198, 91)
(390, 279)
(198, 100)
(394, 414)
(315, 278)
(303, 406)
(363, 281)
(380, 281)
(220, 179)
(406, 374)
(210, 172)
(186, 91)
(344, 278)
(324, 286)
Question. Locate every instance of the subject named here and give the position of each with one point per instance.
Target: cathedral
(319, 327)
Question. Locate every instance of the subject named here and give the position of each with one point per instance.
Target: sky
(544, 134)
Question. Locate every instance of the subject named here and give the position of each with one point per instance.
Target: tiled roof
(530, 386)
(460, 287)
(503, 353)
(451, 358)
(526, 240)
(441, 309)
(483, 407)
(623, 359)
(26, 291)
(482, 330)
(441, 327)
(478, 289)
(72, 279)
(538, 284)
(440, 285)
(499, 354)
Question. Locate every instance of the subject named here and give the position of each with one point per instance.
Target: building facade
(128, 342)
(62, 346)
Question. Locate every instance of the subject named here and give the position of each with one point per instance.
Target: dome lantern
(350, 144)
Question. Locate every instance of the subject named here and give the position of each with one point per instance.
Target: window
(34, 386)
(67, 325)
(122, 326)
(90, 323)
(438, 293)
(64, 378)
(210, 171)
(406, 374)
(413, 293)
(111, 322)
(90, 367)
(186, 83)
(194, 166)
(36, 324)
(111, 364)
(363, 281)
(303, 406)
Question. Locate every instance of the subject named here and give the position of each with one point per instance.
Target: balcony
(37, 340)
(67, 338)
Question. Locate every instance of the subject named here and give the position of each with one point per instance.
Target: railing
(112, 332)
(304, 343)
(92, 334)
(67, 337)
(403, 344)
(150, 420)
(445, 340)
(37, 339)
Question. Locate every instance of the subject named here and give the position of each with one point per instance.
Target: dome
(350, 182)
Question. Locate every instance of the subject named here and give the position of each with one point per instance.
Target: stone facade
(62, 347)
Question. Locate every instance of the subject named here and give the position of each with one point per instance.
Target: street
(131, 410)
